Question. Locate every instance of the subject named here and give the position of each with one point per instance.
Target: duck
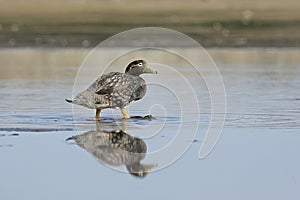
(115, 89)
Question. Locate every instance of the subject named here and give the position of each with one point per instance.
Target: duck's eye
(140, 64)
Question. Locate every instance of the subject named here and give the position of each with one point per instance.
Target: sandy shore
(34, 58)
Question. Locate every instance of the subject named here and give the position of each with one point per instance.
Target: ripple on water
(263, 120)
(36, 123)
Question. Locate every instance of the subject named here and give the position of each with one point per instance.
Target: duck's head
(139, 67)
(140, 170)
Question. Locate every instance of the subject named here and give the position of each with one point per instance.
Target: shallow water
(255, 158)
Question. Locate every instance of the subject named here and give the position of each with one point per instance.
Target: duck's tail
(69, 101)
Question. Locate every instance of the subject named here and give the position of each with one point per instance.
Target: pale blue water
(256, 157)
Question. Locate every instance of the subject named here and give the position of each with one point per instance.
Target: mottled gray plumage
(115, 148)
(115, 89)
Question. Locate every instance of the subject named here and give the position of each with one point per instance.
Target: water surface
(255, 158)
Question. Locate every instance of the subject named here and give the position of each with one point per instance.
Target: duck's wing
(98, 93)
(102, 81)
(114, 82)
(117, 87)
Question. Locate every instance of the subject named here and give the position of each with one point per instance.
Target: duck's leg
(124, 122)
(97, 117)
(126, 116)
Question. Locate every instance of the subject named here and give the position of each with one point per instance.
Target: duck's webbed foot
(147, 117)
(96, 118)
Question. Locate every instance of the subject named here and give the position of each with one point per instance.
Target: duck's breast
(139, 90)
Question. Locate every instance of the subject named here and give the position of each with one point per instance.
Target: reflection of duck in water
(115, 90)
(116, 148)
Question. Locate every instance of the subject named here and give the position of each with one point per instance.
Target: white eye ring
(140, 64)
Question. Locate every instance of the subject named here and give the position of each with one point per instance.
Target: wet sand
(26, 60)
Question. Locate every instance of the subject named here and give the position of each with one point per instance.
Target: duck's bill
(149, 70)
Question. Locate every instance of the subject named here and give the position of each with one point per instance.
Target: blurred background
(213, 23)
(255, 45)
